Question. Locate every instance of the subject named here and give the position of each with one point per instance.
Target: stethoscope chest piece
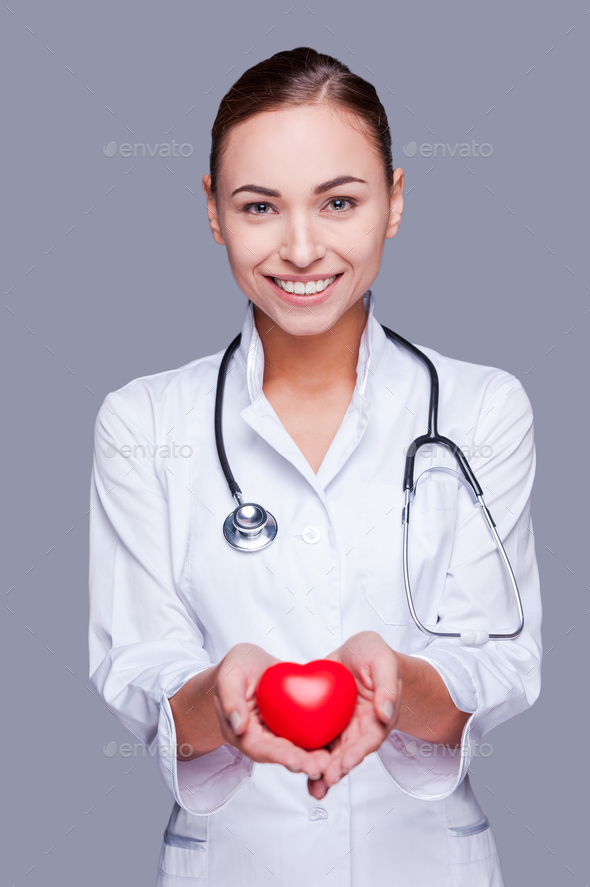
(250, 527)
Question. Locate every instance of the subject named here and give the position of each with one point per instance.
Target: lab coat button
(311, 535)
(316, 813)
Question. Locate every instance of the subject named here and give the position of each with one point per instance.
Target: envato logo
(469, 451)
(139, 749)
(463, 150)
(430, 750)
(165, 149)
(164, 451)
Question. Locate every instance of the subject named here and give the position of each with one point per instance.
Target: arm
(426, 709)
(144, 644)
(477, 687)
(498, 679)
(147, 656)
(195, 716)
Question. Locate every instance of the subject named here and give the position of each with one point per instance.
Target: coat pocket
(184, 853)
(474, 856)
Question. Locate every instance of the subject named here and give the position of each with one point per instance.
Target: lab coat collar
(250, 356)
(371, 351)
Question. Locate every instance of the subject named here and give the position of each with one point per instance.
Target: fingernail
(294, 768)
(344, 772)
(235, 720)
(315, 778)
(388, 709)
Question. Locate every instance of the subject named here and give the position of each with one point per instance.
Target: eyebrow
(319, 189)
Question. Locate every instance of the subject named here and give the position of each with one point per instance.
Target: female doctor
(319, 407)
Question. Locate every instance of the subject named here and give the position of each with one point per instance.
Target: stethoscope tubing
(220, 389)
(247, 543)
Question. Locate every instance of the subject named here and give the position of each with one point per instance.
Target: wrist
(195, 715)
(426, 708)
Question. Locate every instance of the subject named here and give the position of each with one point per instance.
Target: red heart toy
(307, 704)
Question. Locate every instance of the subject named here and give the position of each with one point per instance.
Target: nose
(302, 242)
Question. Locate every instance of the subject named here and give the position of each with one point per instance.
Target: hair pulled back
(300, 76)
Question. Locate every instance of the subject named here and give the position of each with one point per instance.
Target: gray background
(111, 273)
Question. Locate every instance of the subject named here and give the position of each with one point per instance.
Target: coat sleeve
(143, 643)
(499, 679)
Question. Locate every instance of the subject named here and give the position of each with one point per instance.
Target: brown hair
(298, 77)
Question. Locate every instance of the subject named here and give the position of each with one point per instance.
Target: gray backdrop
(110, 273)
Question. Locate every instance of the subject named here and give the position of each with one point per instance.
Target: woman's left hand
(376, 671)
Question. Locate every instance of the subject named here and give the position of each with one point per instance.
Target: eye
(339, 204)
(257, 209)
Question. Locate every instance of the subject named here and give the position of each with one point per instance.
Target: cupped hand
(376, 671)
(239, 720)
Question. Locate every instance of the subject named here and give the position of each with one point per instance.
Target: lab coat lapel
(261, 417)
(346, 440)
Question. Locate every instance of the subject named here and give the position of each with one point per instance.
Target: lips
(304, 299)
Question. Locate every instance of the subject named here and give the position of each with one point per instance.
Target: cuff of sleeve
(207, 783)
(427, 770)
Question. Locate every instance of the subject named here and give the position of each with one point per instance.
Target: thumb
(230, 692)
(388, 692)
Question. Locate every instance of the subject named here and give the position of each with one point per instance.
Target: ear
(214, 223)
(396, 202)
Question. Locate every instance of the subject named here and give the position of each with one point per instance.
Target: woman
(319, 407)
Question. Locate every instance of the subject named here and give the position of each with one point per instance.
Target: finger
(224, 723)
(388, 690)
(334, 656)
(386, 701)
(230, 692)
(318, 788)
(264, 746)
(320, 758)
(351, 754)
(313, 763)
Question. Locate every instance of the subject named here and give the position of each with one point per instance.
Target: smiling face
(303, 208)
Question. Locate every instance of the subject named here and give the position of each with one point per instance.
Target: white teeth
(314, 286)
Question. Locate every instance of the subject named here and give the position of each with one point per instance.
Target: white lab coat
(169, 597)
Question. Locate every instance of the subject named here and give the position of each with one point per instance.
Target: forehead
(298, 147)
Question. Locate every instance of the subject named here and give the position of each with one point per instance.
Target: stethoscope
(250, 527)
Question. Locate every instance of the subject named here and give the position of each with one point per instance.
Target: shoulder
(471, 395)
(477, 385)
(484, 400)
(149, 400)
(466, 376)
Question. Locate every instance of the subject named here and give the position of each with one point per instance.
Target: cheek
(250, 243)
(368, 245)
(366, 233)
(240, 251)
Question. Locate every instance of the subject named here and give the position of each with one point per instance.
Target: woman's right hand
(240, 723)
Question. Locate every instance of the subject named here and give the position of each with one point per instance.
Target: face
(303, 210)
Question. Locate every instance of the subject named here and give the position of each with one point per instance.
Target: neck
(312, 363)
